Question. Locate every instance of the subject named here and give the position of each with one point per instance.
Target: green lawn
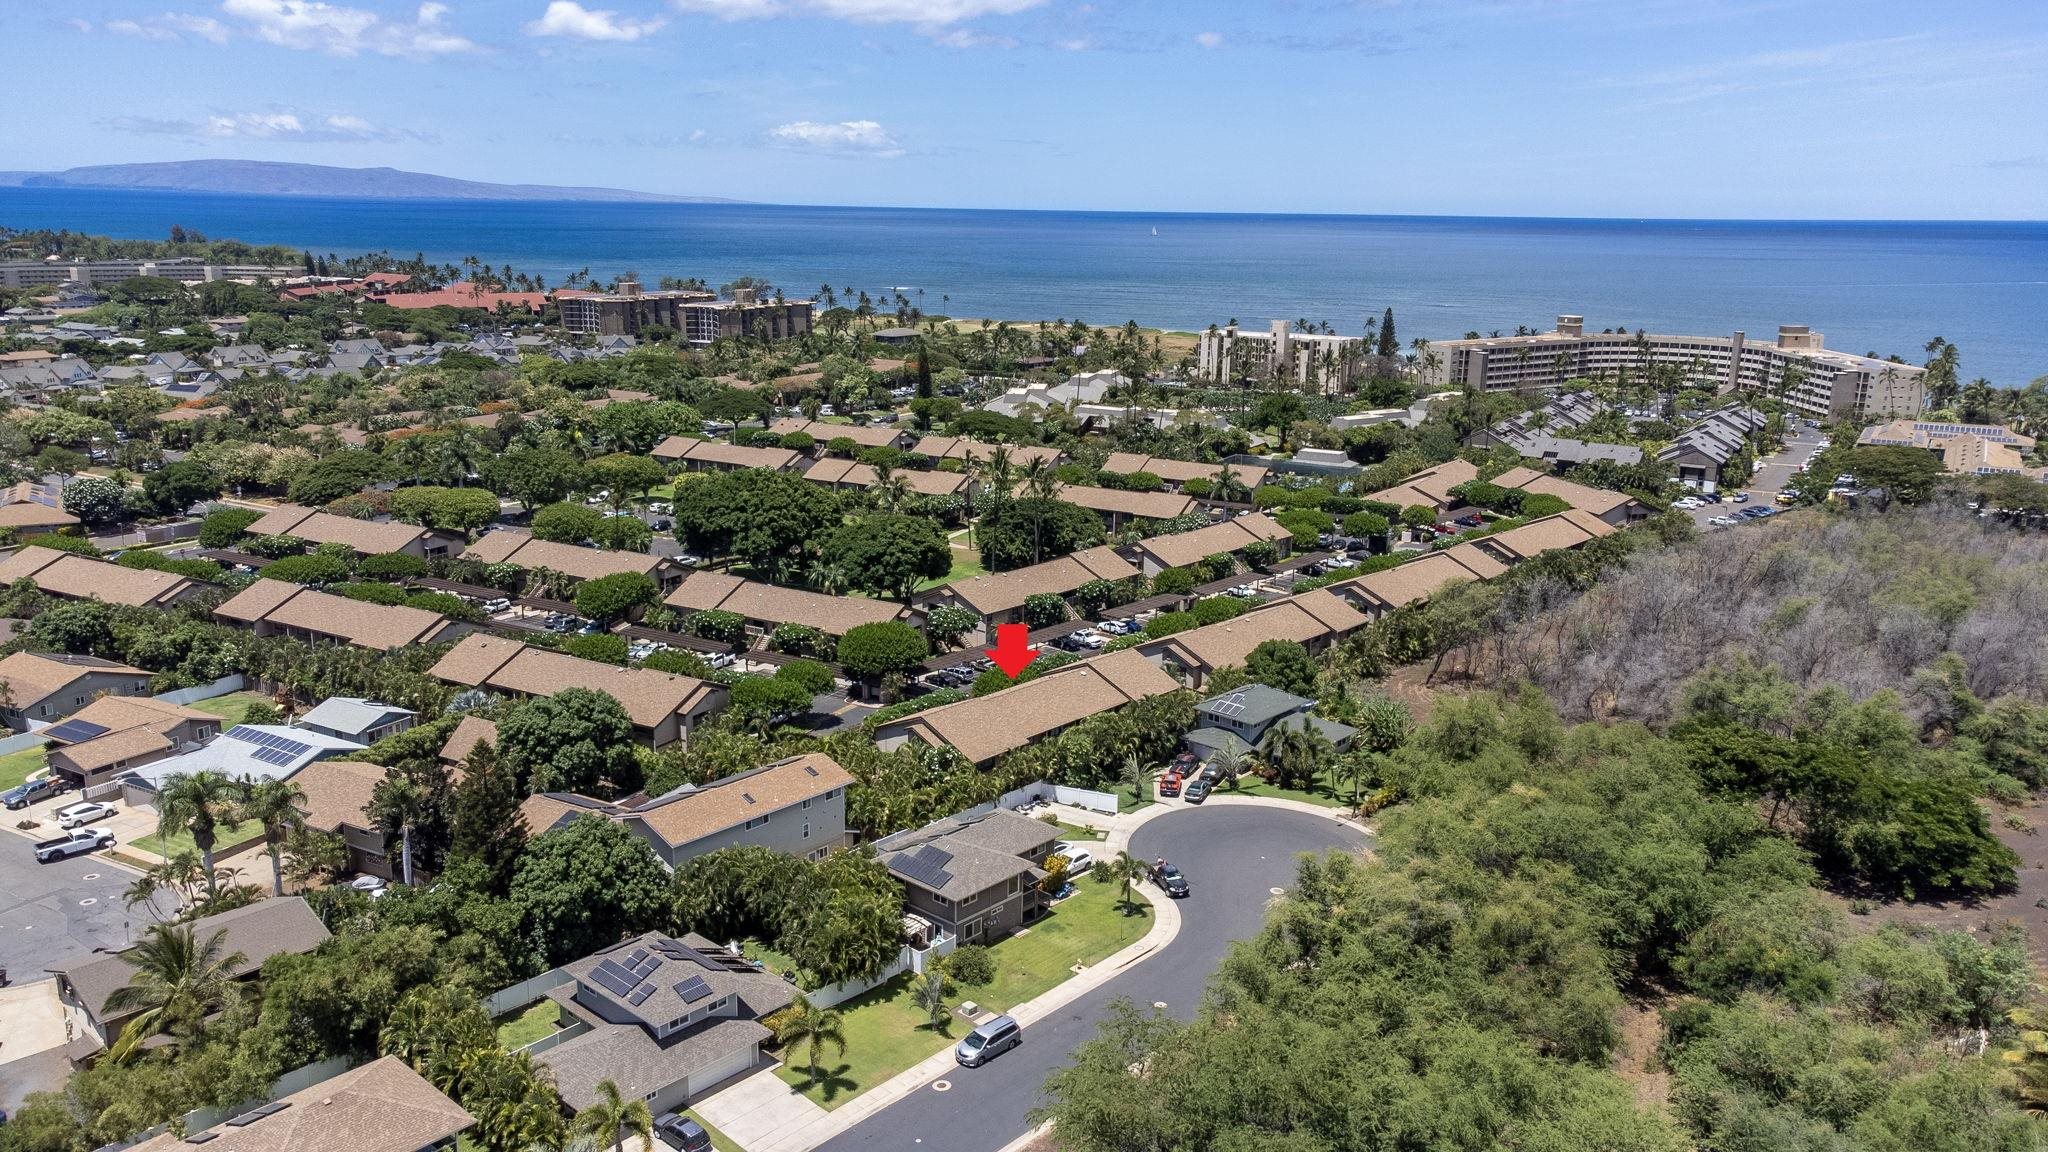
(541, 1018)
(231, 708)
(1318, 794)
(886, 1032)
(226, 836)
(777, 962)
(1076, 832)
(15, 766)
(966, 566)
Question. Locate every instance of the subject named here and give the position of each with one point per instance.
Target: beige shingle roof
(84, 578)
(987, 726)
(382, 1106)
(1416, 580)
(29, 514)
(1002, 591)
(365, 536)
(338, 792)
(1226, 537)
(32, 677)
(832, 470)
(649, 697)
(1567, 529)
(469, 732)
(1181, 471)
(732, 801)
(379, 627)
(1150, 505)
(720, 452)
(1598, 501)
(508, 546)
(1310, 617)
(865, 435)
(1429, 486)
(833, 615)
(267, 928)
(962, 448)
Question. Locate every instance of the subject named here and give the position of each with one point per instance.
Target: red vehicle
(1169, 784)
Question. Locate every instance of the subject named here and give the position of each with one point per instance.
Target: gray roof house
(283, 925)
(1703, 449)
(353, 718)
(1238, 721)
(974, 876)
(665, 1019)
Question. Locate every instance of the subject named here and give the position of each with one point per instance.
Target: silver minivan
(988, 1041)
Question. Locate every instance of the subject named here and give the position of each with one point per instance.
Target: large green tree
(767, 519)
(889, 555)
(583, 886)
(577, 740)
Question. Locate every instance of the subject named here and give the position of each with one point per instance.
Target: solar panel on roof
(634, 957)
(693, 989)
(640, 995)
(613, 979)
(277, 756)
(645, 966)
(812, 771)
(747, 796)
(72, 731)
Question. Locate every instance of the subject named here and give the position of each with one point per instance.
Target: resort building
(1964, 449)
(1176, 473)
(185, 269)
(998, 597)
(72, 577)
(1228, 538)
(1813, 379)
(522, 550)
(1230, 354)
(698, 317)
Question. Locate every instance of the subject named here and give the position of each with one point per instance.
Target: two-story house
(1239, 720)
(114, 733)
(796, 806)
(39, 687)
(974, 876)
(665, 1020)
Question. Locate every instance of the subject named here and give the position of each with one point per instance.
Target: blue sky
(1710, 108)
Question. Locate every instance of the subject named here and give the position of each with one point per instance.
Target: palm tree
(197, 803)
(889, 489)
(278, 805)
(398, 804)
(1294, 751)
(178, 980)
(613, 1119)
(1129, 869)
(930, 995)
(1139, 777)
(814, 1027)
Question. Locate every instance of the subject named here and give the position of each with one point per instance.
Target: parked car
(368, 885)
(1196, 792)
(79, 815)
(29, 791)
(72, 843)
(988, 1041)
(1169, 785)
(1722, 521)
(1689, 503)
(682, 1133)
(1340, 563)
(1170, 880)
(1472, 521)
(1079, 858)
(1740, 497)
(498, 605)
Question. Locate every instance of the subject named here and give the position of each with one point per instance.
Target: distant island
(270, 178)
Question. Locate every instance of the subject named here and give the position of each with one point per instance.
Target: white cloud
(969, 38)
(311, 25)
(926, 12)
(167, 28)
(1209, 39)
(1075, 44)
(568, 18)
(864, 137)
(277, 125)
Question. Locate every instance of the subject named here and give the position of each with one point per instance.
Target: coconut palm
(179, 979)
(613, 1119)
(930, 995)
(889, 489)
(278, 805)
(197, 803)
(1139, 776)
(814, 1028)
(399, 805)
(1294, 751)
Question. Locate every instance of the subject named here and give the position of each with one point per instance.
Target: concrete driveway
(1234, 856)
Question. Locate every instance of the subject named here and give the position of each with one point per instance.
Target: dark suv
(682, 1133)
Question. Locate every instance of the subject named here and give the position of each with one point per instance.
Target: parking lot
(1767, 481)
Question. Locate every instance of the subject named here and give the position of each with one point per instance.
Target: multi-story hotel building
(700, 316)
(1309, 357)
(1812, 379)
(187, 269)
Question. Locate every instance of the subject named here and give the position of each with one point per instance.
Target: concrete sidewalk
(776, 1125)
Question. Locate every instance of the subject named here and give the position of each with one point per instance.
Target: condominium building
(1811, 378)
(1228, 354)
(186, 269)
(699, 316)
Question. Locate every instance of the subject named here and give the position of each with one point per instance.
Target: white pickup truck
(72, 843)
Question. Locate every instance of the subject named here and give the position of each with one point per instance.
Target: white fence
(21, 740)
(526, 991)
(220, 687)
(907, 960)
(1103, 802)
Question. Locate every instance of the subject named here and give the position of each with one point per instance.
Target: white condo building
(1309, 357)
(1814, 380)
(190, 270)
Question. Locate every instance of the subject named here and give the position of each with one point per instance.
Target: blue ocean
(1870, 287)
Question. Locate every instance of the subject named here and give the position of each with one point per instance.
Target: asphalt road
(51, 911)
(1233, 856)
(1769, 480)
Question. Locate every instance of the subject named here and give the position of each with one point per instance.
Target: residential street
(50, 911)
(1234, 856)
(1769, 480)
